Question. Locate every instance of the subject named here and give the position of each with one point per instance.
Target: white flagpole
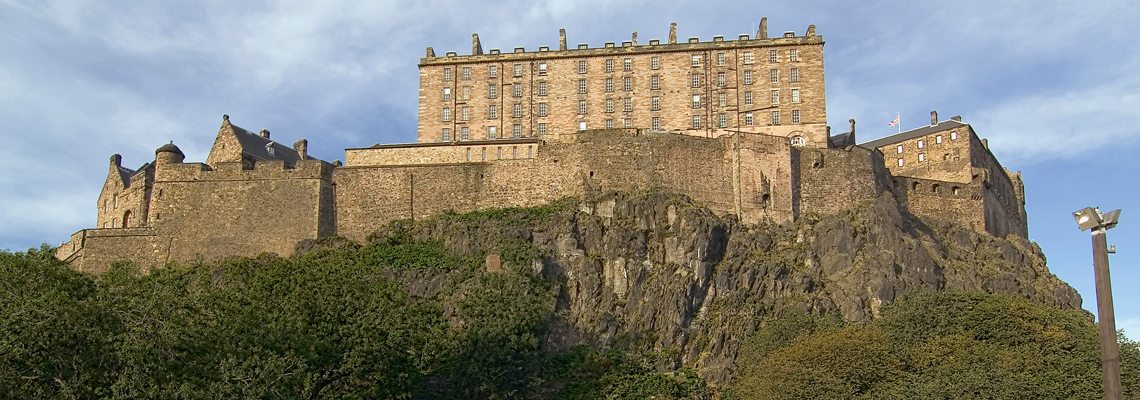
(898, 117)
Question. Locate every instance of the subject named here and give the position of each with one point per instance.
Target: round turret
(169, 154)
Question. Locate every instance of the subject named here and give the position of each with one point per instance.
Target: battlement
(623, 48)
(261, 170)
(443, 152)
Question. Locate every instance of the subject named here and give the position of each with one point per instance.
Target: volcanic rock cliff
(657, 271)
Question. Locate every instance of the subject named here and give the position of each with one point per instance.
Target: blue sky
(1053, 85)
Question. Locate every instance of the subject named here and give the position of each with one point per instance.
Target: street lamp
(1091, 218)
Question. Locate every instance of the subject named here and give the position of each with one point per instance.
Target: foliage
(615, 374)
(931, 345)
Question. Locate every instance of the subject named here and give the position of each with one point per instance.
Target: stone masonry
(254, 195)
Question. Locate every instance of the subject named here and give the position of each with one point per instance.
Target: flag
(893, 123)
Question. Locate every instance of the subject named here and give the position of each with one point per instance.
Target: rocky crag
(659, 272)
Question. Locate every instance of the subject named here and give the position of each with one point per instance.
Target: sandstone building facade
(255, 195)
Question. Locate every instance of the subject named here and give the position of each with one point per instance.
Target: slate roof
(841, 140)
(913, 133)
(255, 146)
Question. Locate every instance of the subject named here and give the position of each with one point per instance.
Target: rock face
(658, 272)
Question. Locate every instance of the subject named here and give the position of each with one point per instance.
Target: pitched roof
(913, 133)
(257, 147)
(841, 140)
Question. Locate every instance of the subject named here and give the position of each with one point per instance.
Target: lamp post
(1091, 218)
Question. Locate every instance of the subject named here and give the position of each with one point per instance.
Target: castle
(683, 117)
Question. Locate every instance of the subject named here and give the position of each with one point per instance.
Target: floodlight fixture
(1091, 218)
(1110, 219)
(1087, 218)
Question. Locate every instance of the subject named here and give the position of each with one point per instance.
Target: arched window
(914, 186)
(936, 188)
(956, 189)
(797, 141)
(126, 218)
(764, 201)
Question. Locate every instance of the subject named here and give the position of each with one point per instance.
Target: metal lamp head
(1110, 219)
(1087, 218)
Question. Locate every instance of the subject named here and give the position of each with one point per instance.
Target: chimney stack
(635, 38)
(852, 121)
(986, 143)
(762, 32)
(476, 46)
(265, 133)
(957, 118)
(933, 118)
(673, 33)
(302, 147)
(811, 30)
(562, 39)
(430, 52)
(116, 160)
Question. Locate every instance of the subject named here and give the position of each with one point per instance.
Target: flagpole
(898, 117)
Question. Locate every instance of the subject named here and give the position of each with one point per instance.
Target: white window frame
(695, 61)
(627, 65)
(581, 66)
(696, 101)
(655, 103)
(748, 98)
(655, 62)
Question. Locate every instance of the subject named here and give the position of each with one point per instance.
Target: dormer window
(269, 148)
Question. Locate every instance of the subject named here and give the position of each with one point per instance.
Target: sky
(1053, 85)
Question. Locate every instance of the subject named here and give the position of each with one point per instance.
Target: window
(721, 120)
(696, 101)
(447, 74)
(581, 125)
(492, 132)
(775, 117)
(774, 76)
(794, 76)
(542, 68)
(720, 59)
(773, 56)
(721, 99)
(696, 60)
(921, 157)
(446, 94)
(627, 104)
(748, 119)
(542, 129)
(518, 70)
(446, 114)
(484, 153)
(609, 105)
(747, 98)
(655, 103)
(581, 106)
(542, 109)
(900, 149)
(465, 93)
(627, 123)
(492, 111)
(747, 77)
(492, 91)
(466, 132)
(516, 110)
(793, 55)
(581, 86)
(516, 89)
(610, 65)
(696, 80)
(493, 71)
(938, 139)
(609, 123)
(747, 57)
(720, 81)
(627, 65)
(514, 152)
(921, 144)
(627, 83)
(696, 122)
(654, 62)
(795, 116)
(609, 85)
(655, 82)
(466, 73)
(542, 88)
(954, 135)
(446, 134)
(901, 162)
(795, 95)
(656, 123)
(774, 95)
(582, 66)
(797, 141)
(466, 111)
(529, 151)
(516, 131)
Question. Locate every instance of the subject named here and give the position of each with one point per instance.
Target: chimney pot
(956, 118)
(852, 121)
(811, 30)
(430, 52)
(933, 118)
(302, 147)
(635, 38)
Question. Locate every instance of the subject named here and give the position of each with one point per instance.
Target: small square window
(921, 144)
(696, 122)
(609, 123)
(921, 157)
(581, 125)
(542, 68)
(900, 149)
(938, 139)
(627, 123)
(954, 135)
(901, 162)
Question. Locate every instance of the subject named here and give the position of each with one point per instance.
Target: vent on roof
(451, 54)
(544, 48)
(654, 42)
(789, 34)
(609, 44)
(583, 46)
(627, 43)
(519, 49)
(694, 40)
(494, 51)
(718, 38)
(743, 37)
